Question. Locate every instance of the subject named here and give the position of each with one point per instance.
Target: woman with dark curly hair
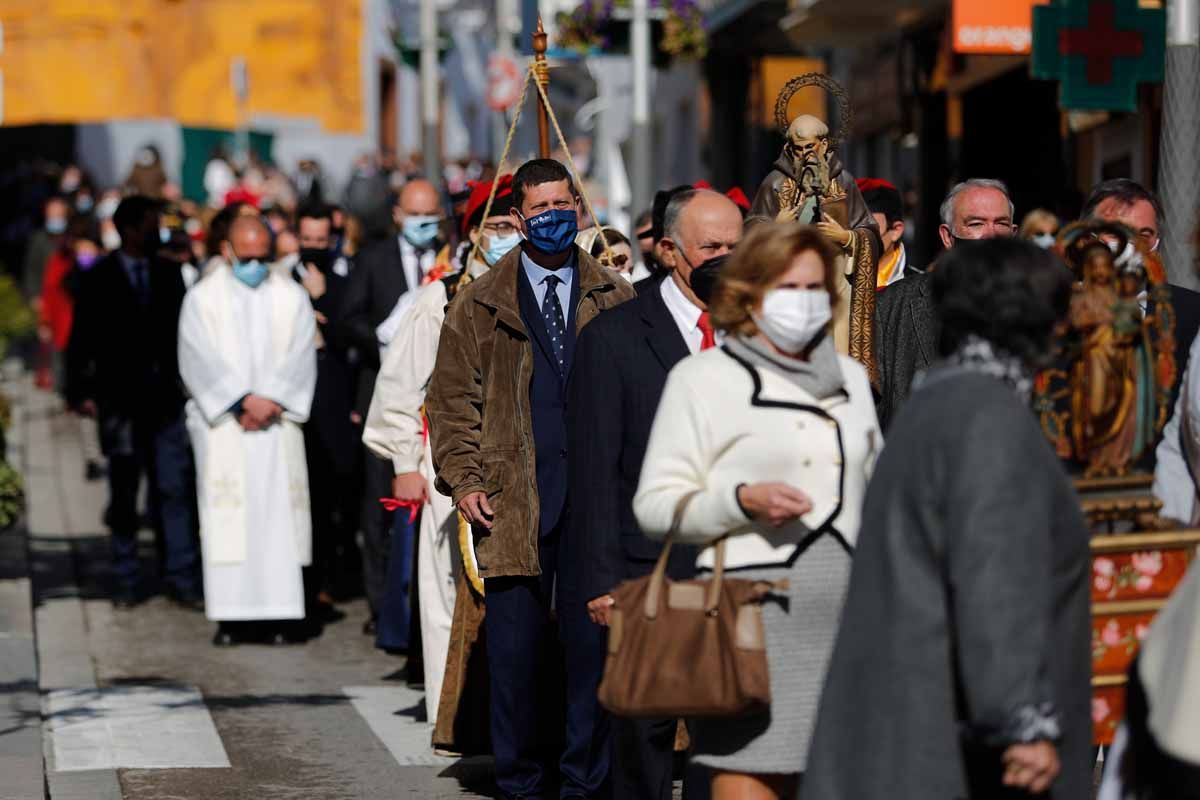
(962, 665)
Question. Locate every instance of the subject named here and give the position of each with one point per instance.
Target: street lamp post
(430, 147)
(639, 39)
(1179, 164)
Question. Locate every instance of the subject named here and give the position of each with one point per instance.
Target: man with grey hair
(978, 208)
(906, 328)
(629, 351)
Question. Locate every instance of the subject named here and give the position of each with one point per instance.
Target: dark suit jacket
(1187, 323)
(375, 286)
(329, 426)
(906, 340)
(124, 356)
(621, 364)
(548, 404)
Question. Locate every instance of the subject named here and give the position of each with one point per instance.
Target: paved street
(137, 704)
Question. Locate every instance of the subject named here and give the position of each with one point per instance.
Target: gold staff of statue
(807, 183)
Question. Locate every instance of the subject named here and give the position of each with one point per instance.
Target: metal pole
(1179, 164)
(430, 146)
(542, 76)
(639, 38)
(504, 46)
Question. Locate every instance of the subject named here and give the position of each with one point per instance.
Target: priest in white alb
(247, 356)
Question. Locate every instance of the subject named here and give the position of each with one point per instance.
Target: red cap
(869, 184)
(735, 194)
(739, 198)
(479, 198)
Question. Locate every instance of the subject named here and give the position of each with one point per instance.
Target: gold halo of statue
(831, 87)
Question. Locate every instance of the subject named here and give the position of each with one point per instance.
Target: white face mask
(792, 318)
(1044, 240)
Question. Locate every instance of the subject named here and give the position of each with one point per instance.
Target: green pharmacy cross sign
(1100, 50)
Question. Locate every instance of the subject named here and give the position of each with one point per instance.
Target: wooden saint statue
(808, 184)
(1116, 368)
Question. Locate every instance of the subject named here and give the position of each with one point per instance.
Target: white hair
(947, 210)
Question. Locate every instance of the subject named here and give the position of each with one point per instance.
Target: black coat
(621, 365)
(124, 356)
(329, 425)
(968, 603)
(1187, 323)
(906, 340)
(376, 284)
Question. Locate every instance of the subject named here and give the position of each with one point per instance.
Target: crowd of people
(492, 412)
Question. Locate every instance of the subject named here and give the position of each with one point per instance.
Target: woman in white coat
(776, 434)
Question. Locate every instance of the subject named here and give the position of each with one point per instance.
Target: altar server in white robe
(247, 356)
(395, 428)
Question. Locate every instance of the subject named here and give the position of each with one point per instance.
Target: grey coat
(967, 606)
(906, 340)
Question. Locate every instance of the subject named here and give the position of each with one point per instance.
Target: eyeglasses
(647, 234)
(616, 262)
(500, 228)
(982, 229)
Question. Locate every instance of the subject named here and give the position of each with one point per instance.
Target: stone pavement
(137, 704)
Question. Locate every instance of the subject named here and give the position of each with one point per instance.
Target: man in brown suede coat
(497, 414)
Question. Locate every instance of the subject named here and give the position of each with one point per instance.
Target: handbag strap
(714, 586)
(658, 576)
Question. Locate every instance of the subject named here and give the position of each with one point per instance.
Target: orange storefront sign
(1002, 27)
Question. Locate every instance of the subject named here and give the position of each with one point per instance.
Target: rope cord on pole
(531, 76)
(587, 204)
(487, 209)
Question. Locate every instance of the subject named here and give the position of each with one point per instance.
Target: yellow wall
(97, 60)
(775, 72)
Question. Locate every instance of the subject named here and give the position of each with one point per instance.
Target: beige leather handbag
(689, 648)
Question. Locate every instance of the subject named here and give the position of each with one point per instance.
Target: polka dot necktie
(552, 314)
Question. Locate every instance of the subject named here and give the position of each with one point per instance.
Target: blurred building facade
(319, 78)
(941, 91)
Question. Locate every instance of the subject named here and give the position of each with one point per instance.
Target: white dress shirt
(1174, 481)
(685, 313)
(417, 263)
(537, 280)
(411, 263)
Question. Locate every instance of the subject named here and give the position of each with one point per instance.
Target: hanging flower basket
(603, 26)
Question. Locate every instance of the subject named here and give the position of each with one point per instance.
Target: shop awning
(828, 23)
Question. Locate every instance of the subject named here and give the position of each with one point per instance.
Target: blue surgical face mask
(56, 225)
(1044, 240)
(553, 232)
(420, 231)
(498, 247)
(252, 272)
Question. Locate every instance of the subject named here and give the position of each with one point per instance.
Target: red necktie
(706, 328)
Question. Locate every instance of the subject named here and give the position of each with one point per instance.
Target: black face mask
(319, 257)
(704, 278)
